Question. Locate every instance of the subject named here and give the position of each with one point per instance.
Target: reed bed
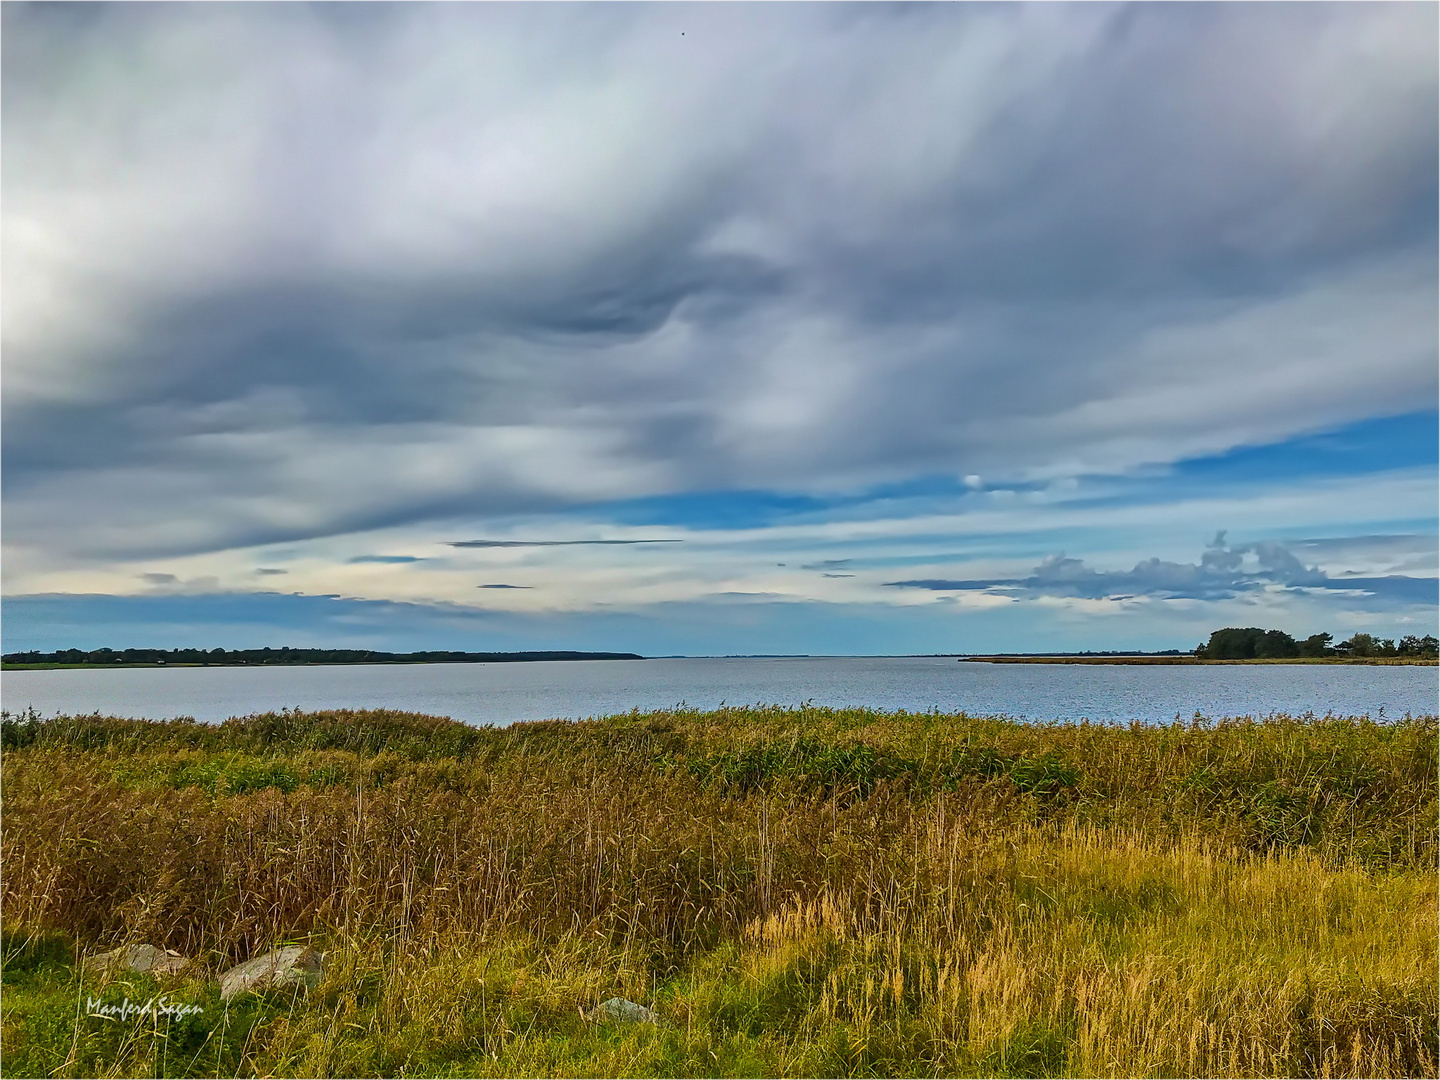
(798, 891)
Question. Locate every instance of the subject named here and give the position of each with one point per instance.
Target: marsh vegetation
(796, 891)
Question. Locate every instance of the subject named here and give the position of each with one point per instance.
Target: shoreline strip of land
(156, 658)
(1384, 661)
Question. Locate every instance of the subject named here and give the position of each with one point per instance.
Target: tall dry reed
(1244, 897)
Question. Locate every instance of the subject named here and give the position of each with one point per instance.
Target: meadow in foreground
(796, 891)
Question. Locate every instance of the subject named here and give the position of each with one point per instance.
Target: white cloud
(283, 273)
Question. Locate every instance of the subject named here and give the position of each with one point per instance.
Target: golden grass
(800, 892)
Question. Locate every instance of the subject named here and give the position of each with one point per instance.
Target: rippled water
(503, 693)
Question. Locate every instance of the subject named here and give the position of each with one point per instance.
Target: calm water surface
(504, 693)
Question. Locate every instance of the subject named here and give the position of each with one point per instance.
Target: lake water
(504, 693)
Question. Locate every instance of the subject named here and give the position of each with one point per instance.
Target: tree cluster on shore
(1253, 643)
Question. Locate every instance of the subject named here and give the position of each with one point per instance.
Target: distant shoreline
(1139, 659)
(1136, 659)
(296, 658)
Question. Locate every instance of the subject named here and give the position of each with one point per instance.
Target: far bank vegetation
(1253, 643)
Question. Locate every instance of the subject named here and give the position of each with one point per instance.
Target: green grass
(53, 1029)
(799, 892)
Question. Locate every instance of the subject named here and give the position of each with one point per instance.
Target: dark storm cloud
(279, 272)
(1222, 573)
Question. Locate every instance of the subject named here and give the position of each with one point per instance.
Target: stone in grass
(294, 965)
(137, 958)
(620, 1011)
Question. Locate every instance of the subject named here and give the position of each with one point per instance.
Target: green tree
(1410, 645)
(1276, 645)
(1232, 643)
(1359, 645)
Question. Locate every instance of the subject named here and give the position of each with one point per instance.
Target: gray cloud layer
(279, 271)
(549, 543)
(1222, 573)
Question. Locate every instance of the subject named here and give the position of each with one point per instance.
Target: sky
(717, 329)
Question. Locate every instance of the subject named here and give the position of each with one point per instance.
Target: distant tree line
(237, 657)
(1252, 643)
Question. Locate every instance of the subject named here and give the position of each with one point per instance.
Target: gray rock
(620, 1011)
(137, 958)
(294, 965)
